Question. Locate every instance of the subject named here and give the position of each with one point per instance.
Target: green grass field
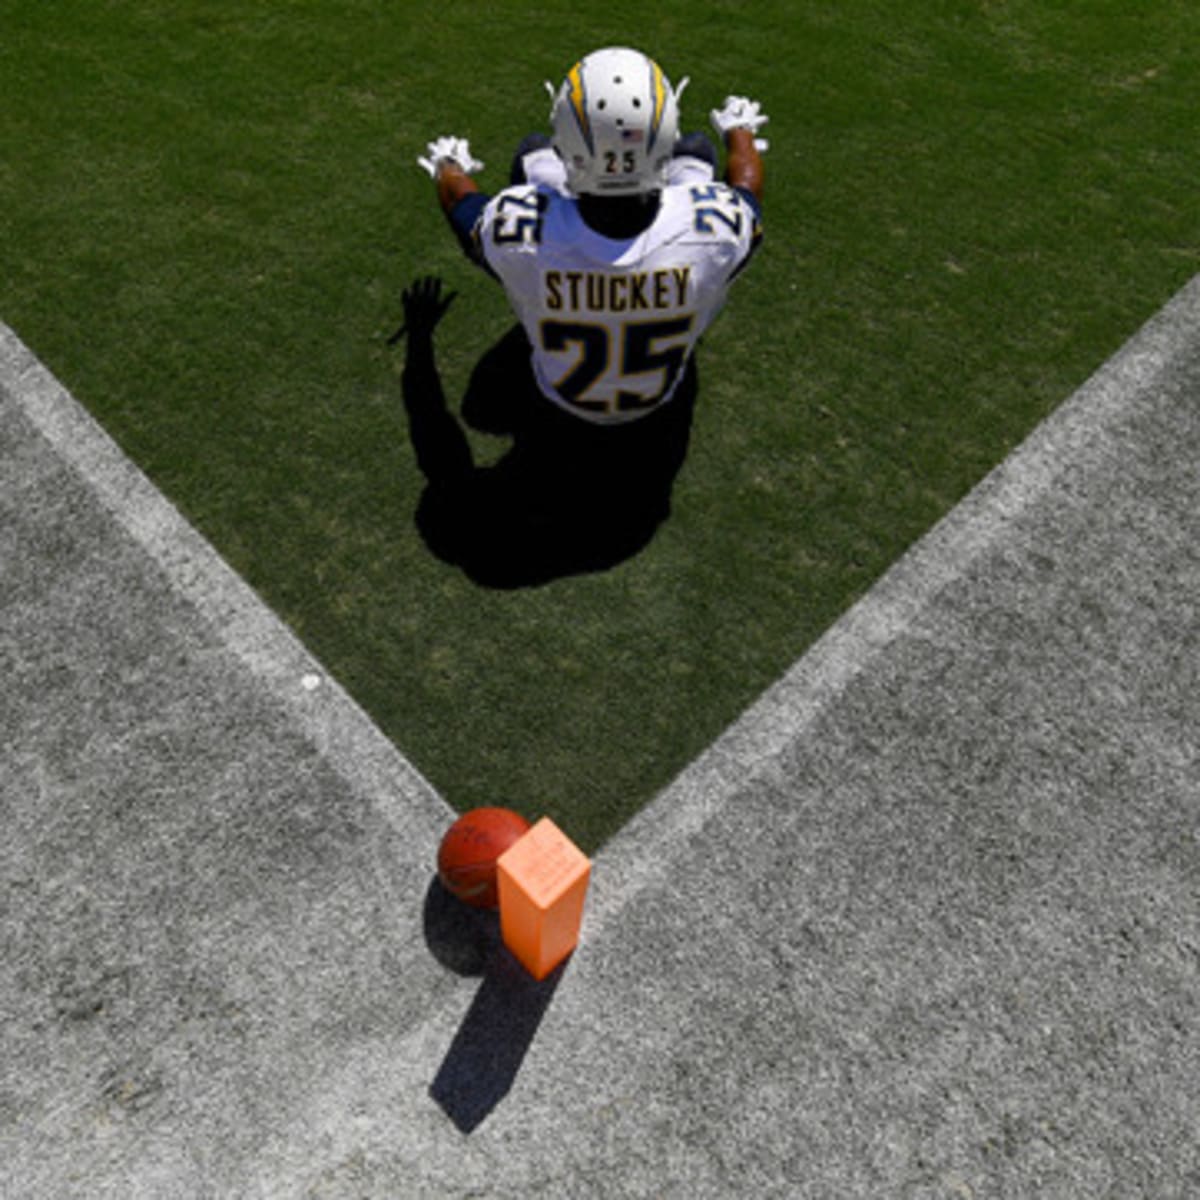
(208, 212)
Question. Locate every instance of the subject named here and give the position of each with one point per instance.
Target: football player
(615, 242)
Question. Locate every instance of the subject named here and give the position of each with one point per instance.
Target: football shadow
(461, 938)
(491, 1044)
(569, 497)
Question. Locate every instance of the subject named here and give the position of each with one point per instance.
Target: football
(468, 852)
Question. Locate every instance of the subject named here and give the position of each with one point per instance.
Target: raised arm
(738, 124)
(449, 163)
(453, 185)
(743, 163)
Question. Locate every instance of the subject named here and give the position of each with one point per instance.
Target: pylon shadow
(491, 1044)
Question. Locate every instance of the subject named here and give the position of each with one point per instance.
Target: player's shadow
(491, 1043)
(568, 497)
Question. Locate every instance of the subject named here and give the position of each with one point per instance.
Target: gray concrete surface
(922, 924)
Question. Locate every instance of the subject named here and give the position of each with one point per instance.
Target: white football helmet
(615, 120)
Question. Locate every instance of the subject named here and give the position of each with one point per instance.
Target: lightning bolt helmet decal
(577, 95)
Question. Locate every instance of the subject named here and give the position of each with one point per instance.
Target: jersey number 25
(641, 355)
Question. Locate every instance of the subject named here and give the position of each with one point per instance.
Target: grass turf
(208, 211)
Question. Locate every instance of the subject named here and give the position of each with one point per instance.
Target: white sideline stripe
(1070, 438)
(327, 715)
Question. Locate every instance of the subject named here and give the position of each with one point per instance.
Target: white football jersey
(613, 321)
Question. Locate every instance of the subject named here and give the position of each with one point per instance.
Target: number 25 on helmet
(615, 119)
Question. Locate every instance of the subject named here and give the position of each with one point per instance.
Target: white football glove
(740, 112)
(449, 149)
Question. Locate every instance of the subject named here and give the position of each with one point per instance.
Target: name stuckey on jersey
(597, 291)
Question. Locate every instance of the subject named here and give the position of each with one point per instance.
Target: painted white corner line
(1067, 441)
(252, 632)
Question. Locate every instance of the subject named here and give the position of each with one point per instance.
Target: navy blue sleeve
(756, 233)
(751, 199)
(462, 218)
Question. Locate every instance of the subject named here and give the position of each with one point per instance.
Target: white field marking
(1070, 439)
(327, 715)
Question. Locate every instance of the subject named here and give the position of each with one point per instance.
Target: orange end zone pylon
(542, 880)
